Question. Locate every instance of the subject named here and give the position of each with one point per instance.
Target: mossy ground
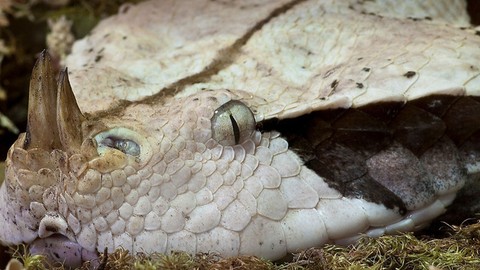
(460, 250)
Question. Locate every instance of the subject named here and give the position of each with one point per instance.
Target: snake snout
(58, 245)
(58, 249)
(51, 224)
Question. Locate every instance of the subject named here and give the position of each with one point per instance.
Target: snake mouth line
(412, 221)
(58, 249)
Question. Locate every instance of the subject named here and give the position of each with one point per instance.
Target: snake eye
(127, 146)
(232, 123)
(122, 139)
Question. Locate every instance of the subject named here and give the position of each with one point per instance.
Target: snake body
(250, 127)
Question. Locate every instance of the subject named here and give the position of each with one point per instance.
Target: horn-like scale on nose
(54, 118)
(42, 106)
(69, 116)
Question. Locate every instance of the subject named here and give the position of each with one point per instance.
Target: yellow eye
(232, 123)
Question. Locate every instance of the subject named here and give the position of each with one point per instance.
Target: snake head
(77, 184)
(44, 165)
(189, 167)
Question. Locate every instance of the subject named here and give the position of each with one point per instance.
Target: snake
(246, 128)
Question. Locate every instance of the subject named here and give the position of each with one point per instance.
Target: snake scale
(246, 127)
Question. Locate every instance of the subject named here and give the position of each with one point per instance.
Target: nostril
(51, 229)
(51, 224)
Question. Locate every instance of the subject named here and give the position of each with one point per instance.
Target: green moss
(460, 250)
(31, 262)
(405, 251)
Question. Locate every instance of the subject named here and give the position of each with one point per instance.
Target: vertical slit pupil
(236, 130)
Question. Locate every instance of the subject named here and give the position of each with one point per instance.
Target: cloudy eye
(232, 123)
(122, 139)
(127, 146)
